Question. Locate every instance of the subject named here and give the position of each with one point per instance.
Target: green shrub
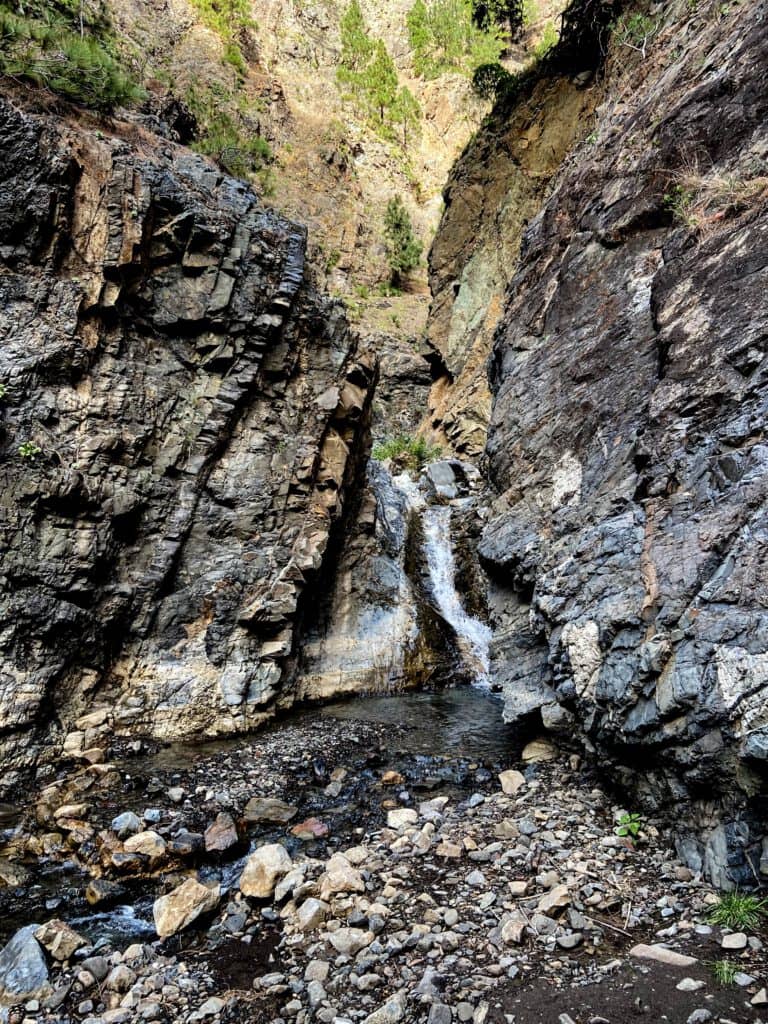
(229, 19)
(50, 51)
(739, 911)
(225, 132)
(491, 81)
(403, 248)
(547, 42)
(411, 452)
(444, 36)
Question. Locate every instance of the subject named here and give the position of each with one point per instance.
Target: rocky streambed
(402, 858)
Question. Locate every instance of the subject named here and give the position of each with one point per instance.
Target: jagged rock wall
(628, 542)
(494, 189)
(199, 413)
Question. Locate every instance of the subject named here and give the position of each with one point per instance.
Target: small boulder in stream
(184, 905)
(261, 809)
(59, 939)
(23, 969)
(263, 869)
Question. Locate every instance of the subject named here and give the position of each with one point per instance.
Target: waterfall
(473, 637)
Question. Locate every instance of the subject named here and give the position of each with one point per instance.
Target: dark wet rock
(23, 968)
(268, 809)
(627, 544)
(163, 348)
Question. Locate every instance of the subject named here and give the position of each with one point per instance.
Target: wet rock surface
(433, 895)
(627, 544)
(182, 416)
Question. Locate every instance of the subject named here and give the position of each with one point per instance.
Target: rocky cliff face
(494, 189)
(181, 419)
(628, 543)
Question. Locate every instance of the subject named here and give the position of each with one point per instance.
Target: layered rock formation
(494, 189)
(181, 420)
(628, 543)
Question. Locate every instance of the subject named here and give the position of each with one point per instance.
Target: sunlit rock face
(181, 420)
(629, 539)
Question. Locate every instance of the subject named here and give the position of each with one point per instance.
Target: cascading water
(473, 637)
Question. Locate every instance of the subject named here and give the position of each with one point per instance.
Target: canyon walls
(182, 417)
(627, 544)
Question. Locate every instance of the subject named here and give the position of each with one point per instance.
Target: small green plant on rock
(629, 826)
(679, 202)
(403, 248)
(724, 972)
(412, 452)
(547, 42)
(636, 32)
(739, 911)
(29, 450)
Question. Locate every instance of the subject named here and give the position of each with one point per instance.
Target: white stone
(512, 782)
(401, 817)
(184, 905)
(263, 869)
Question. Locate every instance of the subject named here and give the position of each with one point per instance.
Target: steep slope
(495, 188)
(182, 416)
(628, 542)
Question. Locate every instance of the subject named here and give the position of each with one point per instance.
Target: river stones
(59, 939)
(221, 835)
(126, 824)
(23, 968)
(350, 941)
(261, 809)
(340, 876)
(263, 869)
(184, 905)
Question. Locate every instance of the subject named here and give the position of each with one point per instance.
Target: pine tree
(356, 45)
(381, 82)
(403, 249)
(417, 21)
(406, 112)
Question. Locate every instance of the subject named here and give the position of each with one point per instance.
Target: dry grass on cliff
(703, 202)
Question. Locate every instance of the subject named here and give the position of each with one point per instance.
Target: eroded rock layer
(628, 543)
(181, 418)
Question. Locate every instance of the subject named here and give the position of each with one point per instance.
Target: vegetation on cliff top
(63, 46)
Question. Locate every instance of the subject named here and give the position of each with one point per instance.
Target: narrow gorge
(384, 589)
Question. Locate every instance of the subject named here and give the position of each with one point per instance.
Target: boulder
(147, 844)
(662, 955)
(263, 869)
(23, 968)
(511, 781)
(59, 939)
(221, 835)
(340, 876)
(184, 905)
(261, 809)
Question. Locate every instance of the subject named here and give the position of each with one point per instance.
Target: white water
(473, 637)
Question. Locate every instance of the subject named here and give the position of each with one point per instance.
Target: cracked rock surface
(181, 419)
(628, 543)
